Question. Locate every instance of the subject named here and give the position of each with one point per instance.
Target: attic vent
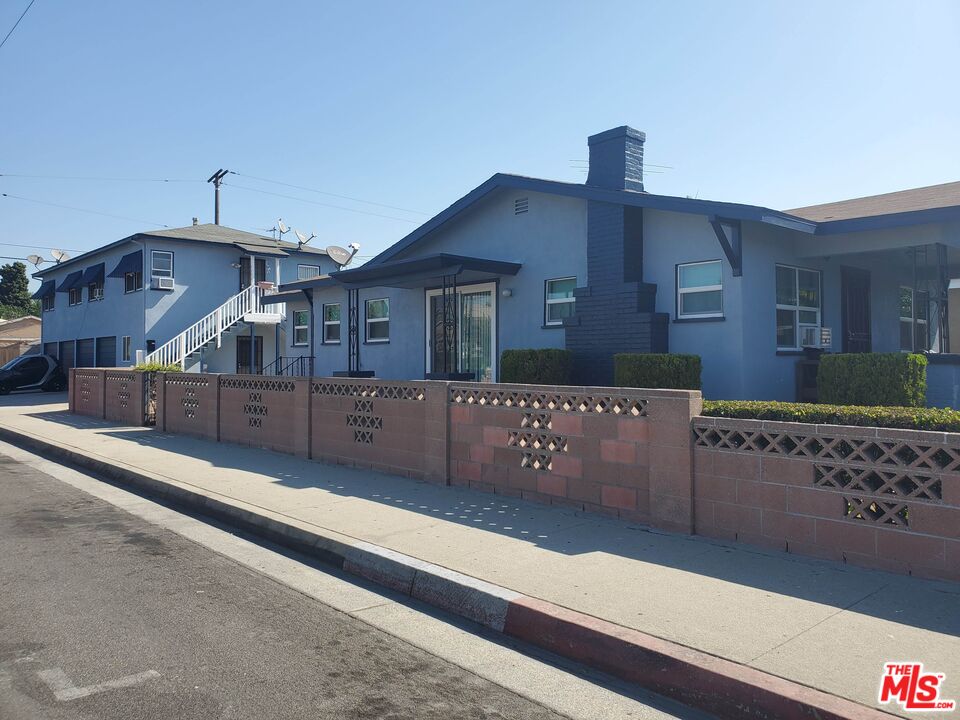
(521, 205)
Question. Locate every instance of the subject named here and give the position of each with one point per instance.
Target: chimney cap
(622, 131)
(196, 221)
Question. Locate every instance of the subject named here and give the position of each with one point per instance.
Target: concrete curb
(720, 687)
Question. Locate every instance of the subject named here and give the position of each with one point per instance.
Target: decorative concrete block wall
(124, 396)
(266, 412)
(86, 389)
(583, 447)
(393, 427)
(875, 497)
(188, 404)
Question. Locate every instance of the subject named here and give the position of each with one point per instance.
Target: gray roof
(925, 198)
(208, 232)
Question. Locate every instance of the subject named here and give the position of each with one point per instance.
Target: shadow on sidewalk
(573, 533)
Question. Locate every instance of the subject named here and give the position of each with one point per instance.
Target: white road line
(64, 689)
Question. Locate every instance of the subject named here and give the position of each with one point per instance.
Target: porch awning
(261, 250)
(131, 262)
(425, 271)
(71, 281)
(93, 274)
(47, 287)
(282, 297)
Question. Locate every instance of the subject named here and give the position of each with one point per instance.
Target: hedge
(536, 367)
(657, 370)
(888, 379)
(157, 367)
(908, 418)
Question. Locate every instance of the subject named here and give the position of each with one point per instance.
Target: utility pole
(216, 179)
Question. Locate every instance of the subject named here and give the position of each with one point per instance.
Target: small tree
(14, 292)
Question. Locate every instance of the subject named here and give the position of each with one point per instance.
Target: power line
(41, 247)
(97, 179)
(83, 210)
(321, 192)
(4, 41)
(314, 202)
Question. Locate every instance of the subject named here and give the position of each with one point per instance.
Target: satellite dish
(283, 228)
(341, 256)
(35, 259)
(59, 255)
(301, 237)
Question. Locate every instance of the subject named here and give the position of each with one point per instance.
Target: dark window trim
(294, 325)
(138, 286)
(686, 320)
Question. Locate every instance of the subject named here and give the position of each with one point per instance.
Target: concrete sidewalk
(820, 624)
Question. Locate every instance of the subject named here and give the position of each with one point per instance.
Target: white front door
(476, 337)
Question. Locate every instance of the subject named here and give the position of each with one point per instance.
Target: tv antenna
(36, 260)
(216, 179)
(59, 256)
(303, 239)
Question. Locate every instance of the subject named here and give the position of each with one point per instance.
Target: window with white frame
(559, 302)
(161, 264)
(301, 327)
(75, 296)
(125, 346)
(95, 291)
(914, 320)
(700, 289)
(49, 302)
(305, 272)
(378, 320)
(331, 323)
(798, 307)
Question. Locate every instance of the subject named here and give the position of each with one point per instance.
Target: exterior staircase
(209, 330)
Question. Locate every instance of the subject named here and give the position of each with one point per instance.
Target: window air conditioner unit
(163, 283)
(809, 336)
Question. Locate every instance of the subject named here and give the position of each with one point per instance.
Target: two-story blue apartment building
(187, 295)
(606, 267)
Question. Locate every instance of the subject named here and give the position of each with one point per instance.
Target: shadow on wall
(564, 531)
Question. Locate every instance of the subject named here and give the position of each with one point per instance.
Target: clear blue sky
(413, 104)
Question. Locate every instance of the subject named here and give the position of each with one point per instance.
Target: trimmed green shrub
(908, 418)
(657, 370)
(536, 367)
(157, 367)
(888, 379)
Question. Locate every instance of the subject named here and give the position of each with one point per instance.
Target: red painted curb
(720, 687)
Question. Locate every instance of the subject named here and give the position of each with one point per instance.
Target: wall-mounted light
(506, 292)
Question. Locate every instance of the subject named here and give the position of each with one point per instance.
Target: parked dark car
(32, 372)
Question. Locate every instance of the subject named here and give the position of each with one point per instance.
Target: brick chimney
(616, 159)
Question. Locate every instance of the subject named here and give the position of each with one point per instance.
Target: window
(48, 302)
(700, 289)
(914, 320)
(559, 300)
(301, 327)
(161, 264)
(75, 296)
(378, 320)
(331, 323)
(95, 291)
(798, 307)
(126, 348)
(132, 281)
(305, 272)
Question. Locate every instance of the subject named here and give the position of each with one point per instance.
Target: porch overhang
(262, 250)
(284, 296)
(425, 271)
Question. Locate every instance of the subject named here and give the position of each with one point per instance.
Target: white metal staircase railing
(208, 328)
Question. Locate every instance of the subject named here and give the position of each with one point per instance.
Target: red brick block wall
(586, 448)
(394, 427)
(265, 412)
(188, 404)
(123, 396)
(874, 497)
(87, 392)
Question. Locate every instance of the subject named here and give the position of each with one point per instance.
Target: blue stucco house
(606, 267)
(190, 296)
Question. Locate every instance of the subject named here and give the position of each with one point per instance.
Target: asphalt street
(104, 615)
